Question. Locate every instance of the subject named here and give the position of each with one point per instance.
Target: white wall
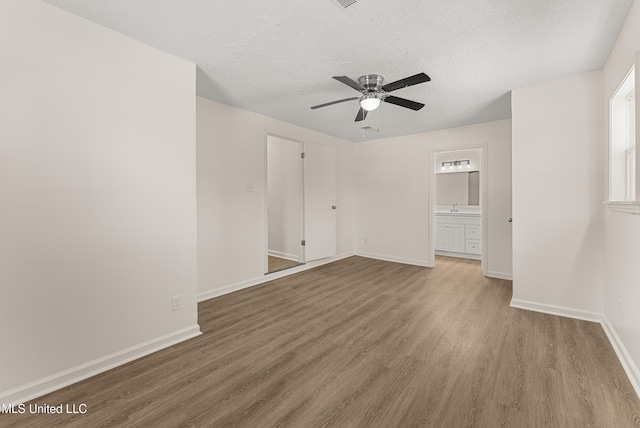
(558, 192)
(97, 183)
(284, 197)
(393, 185)
(621, 230)
(231, 222)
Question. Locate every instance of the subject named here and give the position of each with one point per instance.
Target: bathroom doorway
(458, 204)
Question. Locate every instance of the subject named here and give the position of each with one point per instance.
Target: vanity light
(458, 163)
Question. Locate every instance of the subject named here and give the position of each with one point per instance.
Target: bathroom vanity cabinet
(458, 235)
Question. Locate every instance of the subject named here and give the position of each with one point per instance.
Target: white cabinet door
(319, 201)
(442, 237)
(457, 238)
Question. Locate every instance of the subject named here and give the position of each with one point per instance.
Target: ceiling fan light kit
(370, 102)
(374, 91)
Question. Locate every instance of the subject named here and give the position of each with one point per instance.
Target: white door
(319, 201)
(442, 237)
(457, 238)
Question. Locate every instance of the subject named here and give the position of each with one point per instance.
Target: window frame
(623, 153)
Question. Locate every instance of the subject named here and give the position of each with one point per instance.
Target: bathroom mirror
(461, 188)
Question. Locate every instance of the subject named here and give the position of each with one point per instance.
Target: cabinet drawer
(473, 231)
(473, 246)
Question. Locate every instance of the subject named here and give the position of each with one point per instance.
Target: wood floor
(276, 264)
(366, 343)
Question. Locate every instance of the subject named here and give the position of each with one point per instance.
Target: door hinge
(304, 242)
(302, 155)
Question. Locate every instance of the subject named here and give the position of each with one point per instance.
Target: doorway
(284, 204)
(458, 204)
(300, 202)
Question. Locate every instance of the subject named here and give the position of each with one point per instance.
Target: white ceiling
(276, 57)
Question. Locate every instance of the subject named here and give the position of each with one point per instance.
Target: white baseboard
(499, 275)
(206, 295)
(562, 311)
(623, 355)
(286, 256)
(67, 377)
(385, 258)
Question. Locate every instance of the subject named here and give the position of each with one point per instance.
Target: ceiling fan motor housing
(371, 82)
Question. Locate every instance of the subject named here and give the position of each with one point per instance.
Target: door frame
(484, 199)
(301, 254)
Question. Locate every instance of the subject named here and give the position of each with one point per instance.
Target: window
(622, 155)
(630, 147)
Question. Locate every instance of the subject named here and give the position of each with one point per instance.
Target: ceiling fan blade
(362, 114)
(402, 102)
(350, 82)
(334, 102)
(407, 81)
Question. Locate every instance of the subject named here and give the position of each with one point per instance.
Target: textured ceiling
(276, 57)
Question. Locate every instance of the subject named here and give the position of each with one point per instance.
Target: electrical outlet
(176, 302)
(621, 309)
(366, 241)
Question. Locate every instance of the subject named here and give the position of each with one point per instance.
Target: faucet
(454, 208)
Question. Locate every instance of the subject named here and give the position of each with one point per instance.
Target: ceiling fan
(373, 91)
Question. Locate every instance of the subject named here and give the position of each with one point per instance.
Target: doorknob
(333, 207)
(510, 219)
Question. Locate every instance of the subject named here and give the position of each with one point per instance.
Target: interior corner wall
(558, 257)
(622, 248)
(231, 153)
(97, 183)
(392, 193)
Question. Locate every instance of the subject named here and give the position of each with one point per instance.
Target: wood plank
(369, 343)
